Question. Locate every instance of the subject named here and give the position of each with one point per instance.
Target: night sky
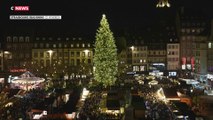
(83, 16)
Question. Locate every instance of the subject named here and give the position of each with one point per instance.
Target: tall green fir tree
(105, 57)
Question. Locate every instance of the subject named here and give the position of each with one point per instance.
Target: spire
(163, 3)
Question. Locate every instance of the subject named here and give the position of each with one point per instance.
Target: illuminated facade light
(132, 48)
(86, 51)
(163, 3)
(209, 45)
(50, 52)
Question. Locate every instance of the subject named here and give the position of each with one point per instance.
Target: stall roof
(170, 93)
(113, 104)
(138, 102)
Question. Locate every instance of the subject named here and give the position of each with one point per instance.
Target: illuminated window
(83, 61)
(59, 45)
(137, 54)
(72, 45)
(188, 30)
(88, 45)
(14, 39)
(135, 68)
(72, 54)
(142, 68)
(209, 45)
(21, 39)
(35, 54)
(27, 39)
(83, 45)
(42, 62)
(47, 45)
(66, 54)
(78, 54)
(58, 38)
(182, 30)
(77, 45)
(83, 54)
(173, 47)
(198, 30)
(41, 54)
(66, 61)
(72, 62)
(54, 45)
(8, 39)
(41, 45)
(183, 38)
(193, 30)
(89, 54)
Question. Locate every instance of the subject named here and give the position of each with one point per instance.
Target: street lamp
(50, 53)
(86, 51)
(132, 48)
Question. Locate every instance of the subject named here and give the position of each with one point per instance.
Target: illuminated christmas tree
(105, 57)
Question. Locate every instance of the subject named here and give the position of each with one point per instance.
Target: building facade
(200, 55)
(157, 58)
(173, 58)
(137, 53)
(191, 28)
(138, 58)
(72, 56)
(17, 51)
(210, 57)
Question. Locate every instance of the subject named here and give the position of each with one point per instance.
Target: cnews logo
(20, 8)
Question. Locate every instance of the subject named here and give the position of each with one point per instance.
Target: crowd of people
(159, 111)
(21, 104)
(90, 109)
